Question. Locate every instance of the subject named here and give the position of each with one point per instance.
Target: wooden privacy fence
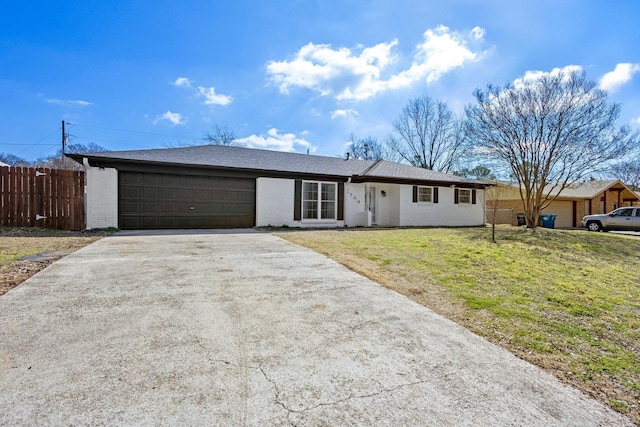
(503, 216)
(42, 197)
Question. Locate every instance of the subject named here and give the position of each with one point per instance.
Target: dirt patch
(26, 251)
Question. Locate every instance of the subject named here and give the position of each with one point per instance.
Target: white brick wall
(102, 197)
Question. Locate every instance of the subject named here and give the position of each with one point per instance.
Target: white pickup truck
(627, 219)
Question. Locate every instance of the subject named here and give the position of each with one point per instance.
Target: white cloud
(276, 141)
(67, 102)
(477, 33)
(346, 74)
(441, 52)
(212, 98)
(173, 118)
(622, 74)
(344, 113)
(536, 74)
(635, 122)
(182, 82)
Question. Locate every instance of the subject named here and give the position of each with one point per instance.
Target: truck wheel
(594, 226)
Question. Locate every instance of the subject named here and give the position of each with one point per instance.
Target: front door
(371, 203)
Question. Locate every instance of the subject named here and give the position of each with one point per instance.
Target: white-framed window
(464, 196)
(425, 194)
(319, 200)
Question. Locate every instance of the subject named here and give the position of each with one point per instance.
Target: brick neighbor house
(574, 202)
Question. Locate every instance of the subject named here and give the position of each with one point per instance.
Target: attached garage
(564, 211)
(156, 200)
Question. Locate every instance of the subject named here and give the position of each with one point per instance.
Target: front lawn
(568, 301)
(17, 243)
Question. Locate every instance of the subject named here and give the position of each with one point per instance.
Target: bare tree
(427, 134)
(492, 201)
(366, 149)
(219, 135)
(628, 172)
(58, 161)
(13, 160)
(550, 131)
(478, 172)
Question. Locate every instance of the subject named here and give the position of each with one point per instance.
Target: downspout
(87, 168)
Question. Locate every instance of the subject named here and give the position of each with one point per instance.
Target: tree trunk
(531, 215)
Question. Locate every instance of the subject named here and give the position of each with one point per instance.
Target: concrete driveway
(243, 328)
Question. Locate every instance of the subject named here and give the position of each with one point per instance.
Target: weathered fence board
(502, 216)
(42, 197)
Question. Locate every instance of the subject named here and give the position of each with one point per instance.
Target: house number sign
(353, 196)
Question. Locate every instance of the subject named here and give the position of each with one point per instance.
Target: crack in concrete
(257, 368)
(365, 396)
(277, 391)
(277, 396)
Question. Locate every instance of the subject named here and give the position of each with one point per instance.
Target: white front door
(371, 203)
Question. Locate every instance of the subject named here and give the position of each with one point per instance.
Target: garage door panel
(149, 193)
(245, 196)
(167, 208)
(167, 180)
(150, 179)
(149, 201)
(184, 195)
(167, 222)
(130, 208)
(149, 208)
(129, 222)
(129, 178)
(131, 192)
(168, 193)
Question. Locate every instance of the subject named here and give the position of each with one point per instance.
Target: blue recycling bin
(548, 220)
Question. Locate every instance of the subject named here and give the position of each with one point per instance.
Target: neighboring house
(574, 202)
(3, 164)
(220, 186)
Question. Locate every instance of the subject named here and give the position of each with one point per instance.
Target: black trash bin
(521, 219)
(548, 220)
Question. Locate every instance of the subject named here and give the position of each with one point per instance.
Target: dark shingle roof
(399, 171)
(217, 156)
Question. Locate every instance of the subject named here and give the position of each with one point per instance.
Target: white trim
(430, 201)
(318, 219)
(460, 202)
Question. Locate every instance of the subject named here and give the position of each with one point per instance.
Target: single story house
(574, 202)
(224, 186)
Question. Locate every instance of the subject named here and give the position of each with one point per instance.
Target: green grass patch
(568, 301)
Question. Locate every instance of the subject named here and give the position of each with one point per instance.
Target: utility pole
(64, 140)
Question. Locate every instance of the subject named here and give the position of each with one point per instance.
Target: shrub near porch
(567, 301)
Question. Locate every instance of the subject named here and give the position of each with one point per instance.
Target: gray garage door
(151, 200)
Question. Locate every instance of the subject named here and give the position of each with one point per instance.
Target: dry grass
(567, 301)
(16, 243)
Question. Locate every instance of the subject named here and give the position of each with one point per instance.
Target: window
(464, 196)
(623, 212)
(318, 200)
(425, 194)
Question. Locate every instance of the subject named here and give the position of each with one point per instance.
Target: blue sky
(285, 75)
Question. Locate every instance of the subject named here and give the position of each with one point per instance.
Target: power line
(38, 141)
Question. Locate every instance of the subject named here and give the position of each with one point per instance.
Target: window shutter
(340, 201)
(435, 194)
(415, 194)
(456, 196)
(297, 200)
(473, 197)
